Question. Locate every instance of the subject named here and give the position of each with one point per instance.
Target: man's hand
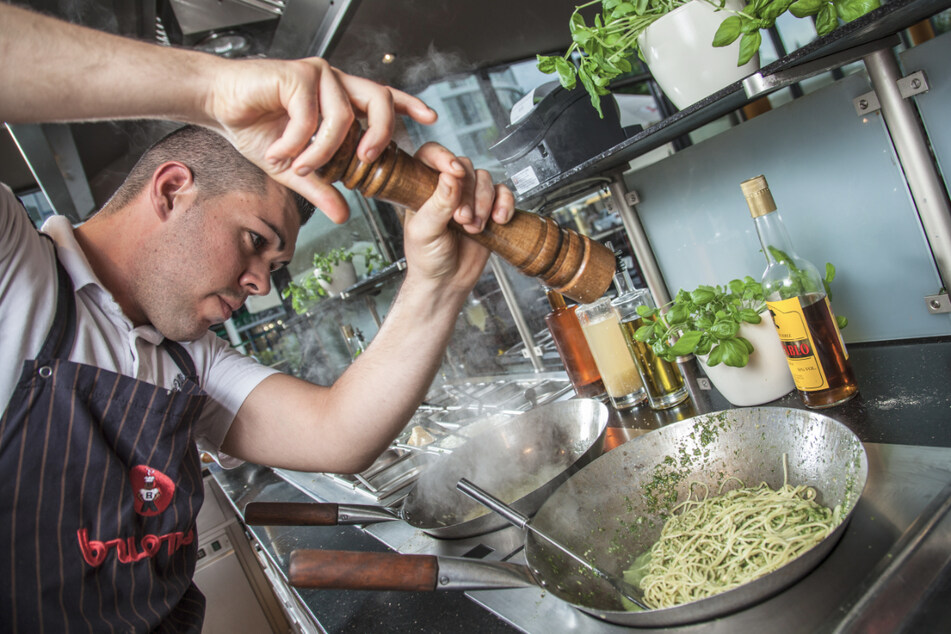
(468, 196)
(289, 117)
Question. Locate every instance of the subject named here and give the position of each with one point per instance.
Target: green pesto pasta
(712, 544)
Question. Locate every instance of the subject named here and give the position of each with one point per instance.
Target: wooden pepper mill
(566, 261)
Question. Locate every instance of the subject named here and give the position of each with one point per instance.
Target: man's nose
(257, 279)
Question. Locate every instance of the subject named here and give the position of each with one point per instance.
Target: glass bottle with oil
(663, 381)
(799, 304)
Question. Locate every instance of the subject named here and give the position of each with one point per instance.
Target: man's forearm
(56, 71)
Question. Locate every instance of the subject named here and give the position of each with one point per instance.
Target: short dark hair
(217, 167)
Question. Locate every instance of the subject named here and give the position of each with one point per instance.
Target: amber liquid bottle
(573, 347)
(797, 300)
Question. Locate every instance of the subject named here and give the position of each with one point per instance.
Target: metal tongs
(622, 587)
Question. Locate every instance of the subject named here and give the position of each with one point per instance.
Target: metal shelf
(856, 36)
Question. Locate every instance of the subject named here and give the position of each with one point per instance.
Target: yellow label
(798, 344)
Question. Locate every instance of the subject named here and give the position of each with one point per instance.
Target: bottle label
(798, 343)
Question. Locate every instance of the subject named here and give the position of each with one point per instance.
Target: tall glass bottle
(797, 300)
(572, 347)
(663, 381)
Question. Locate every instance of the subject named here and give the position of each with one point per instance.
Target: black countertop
(904, 400)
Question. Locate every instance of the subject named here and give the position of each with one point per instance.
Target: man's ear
(172, 189)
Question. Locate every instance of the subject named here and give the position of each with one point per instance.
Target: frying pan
(522, 460)
(614, 509)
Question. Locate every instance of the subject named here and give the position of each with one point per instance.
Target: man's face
(210, 256)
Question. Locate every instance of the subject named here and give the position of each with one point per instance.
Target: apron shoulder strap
(181, 358)
(59, 340)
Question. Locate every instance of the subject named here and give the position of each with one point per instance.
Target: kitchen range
(890, 565)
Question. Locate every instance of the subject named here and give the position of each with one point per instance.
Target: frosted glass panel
(836, 180)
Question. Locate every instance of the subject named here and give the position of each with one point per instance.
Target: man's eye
(277, 266)
(257, 240)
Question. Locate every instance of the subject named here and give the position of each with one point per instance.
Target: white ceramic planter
(765, 378)
(678, 50)
(344, 275)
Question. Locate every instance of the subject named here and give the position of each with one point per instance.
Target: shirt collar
(77, 265)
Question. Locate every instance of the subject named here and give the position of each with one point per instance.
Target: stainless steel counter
(889, 535)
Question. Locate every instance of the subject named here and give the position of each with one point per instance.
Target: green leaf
(716, 355)
(830, 272)
(841, 321)
(735, 354)
(645, 333)
(749, 45)
(546, 64)
(678, 314)
(725, 329)
(826, 20)
(686, 344)
(750, 316)
(803, 8)
(703, 295)
(728, 31)
(775, 9)
(566, 72)
(849, 10)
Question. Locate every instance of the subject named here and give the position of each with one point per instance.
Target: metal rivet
(935, 304)
(46, 372)
(444, 581)
(863, 104)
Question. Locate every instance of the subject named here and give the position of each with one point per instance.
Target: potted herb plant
(732, 334)
(673, 37)
(746, 25)
(333, 272)
(692, 47)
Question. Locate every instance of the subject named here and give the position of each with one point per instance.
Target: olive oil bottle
(798, 302)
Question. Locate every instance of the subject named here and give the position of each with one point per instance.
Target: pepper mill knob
(572, 264)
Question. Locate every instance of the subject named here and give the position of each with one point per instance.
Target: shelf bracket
(758, 84)
(939, 303)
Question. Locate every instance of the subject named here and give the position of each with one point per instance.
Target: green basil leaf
(826, 20)
(728, 31)
(749, 46)
(774, 10)
(678, 314)
(735, 354)
(803, 8)
(702, 295)
(746, 344)
(848, 10)
(716, 355)
(546, 64)
(645, 333)
(724, 329)
(750, 316)
(566, 72)
(686, 344)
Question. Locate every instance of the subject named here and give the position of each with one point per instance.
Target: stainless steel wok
(523, 459)
(613, 509)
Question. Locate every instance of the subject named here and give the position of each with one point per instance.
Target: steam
(511, 458)
(434, 67)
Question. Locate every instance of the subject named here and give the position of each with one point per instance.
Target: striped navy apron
(100, 485)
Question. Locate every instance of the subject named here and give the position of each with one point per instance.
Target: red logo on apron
(152, 489)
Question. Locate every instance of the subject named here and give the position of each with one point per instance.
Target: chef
(109, 375)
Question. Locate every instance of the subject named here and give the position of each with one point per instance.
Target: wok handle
(313, 514)
(339, 569)
(291, 514)
(491, 502)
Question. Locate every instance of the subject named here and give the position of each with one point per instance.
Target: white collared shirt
(104, 335)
